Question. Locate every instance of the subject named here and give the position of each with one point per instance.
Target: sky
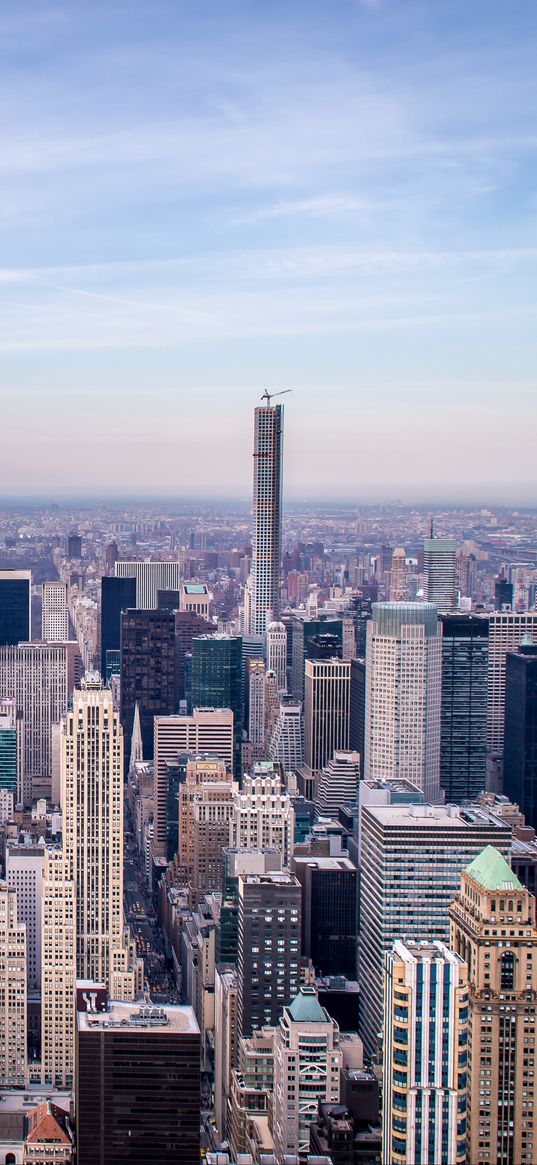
(204, 199)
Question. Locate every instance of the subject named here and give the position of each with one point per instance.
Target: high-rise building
(15, 607)
(463, 734)
(92, 804)
(217, 681)
(520, 753)
(188, 626)
(13, 993)
(425, 1055)
(285, 743)
(329, 919)
(117, 595)
(403, 695)
(35, 675)
(318, 639)
(493, 929)
(440, 566)
(225, 1043)
(147, 671)
(74, 545)
(507, 630)
(503, 593)
(398, 584)
(262, 816)
(10, 748)
(195, 597)
(55, 612)
(208, 732)
(267, 534)
(337, 783)
(268, 959)
(24, 873)
(254, 712)
(276, 653)
(58, 972)
(357, 710)
(326, 710)
(151, 577)
(307, 1064)
(411, 856)
(205, 803)
(138, 1093)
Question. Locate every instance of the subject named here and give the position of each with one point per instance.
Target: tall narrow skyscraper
(267, 536)
(440, 566)
(15, 606)
(55, 613)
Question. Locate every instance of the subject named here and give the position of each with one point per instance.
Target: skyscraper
(35, 675)
(326, 710)
(207, 731)
(15, 607)
(58, 972)
(217, 681)
(403, 694)
(493, 929)
(268, 961)
(267, 535)
(425, 1055)
(54, 612)
(254, 712)
(329, 922)
(13, 993)
(138, 1086)
(151, 577)
(262, 816)
(463, 748)
(507, 630)
(307, 1063)
(410, 861)
(440, 566)
(117, 595)
(10, 748)
(520, 754)
(276, 653)
(285, 741)
(92, 803)
(147, 671)
(398, 587)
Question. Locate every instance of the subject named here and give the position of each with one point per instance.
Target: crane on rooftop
(268, 396)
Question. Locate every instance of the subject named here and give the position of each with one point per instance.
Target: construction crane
(268, 396)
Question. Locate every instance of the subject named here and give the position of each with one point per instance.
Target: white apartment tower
(13, 993)
(337, 783)
(307, 1064)
(262, 816)
(276, 653)
(58, 973)
(425, 1055)
(285, 743)
(507, 630)
(440, 567)
(55, 612)
(92, 804)
(24, 873)
(267, 535)
(403, 695)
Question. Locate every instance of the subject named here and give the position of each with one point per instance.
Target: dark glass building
(117, 595)
(520, 750)
(138, 1093)
(217, 681)
(188, 626)
(147, 672)
(357, 710)
(503, 594)
(74, 545)
(15, 607)
(328, 913)
(463, 739)
(313, 639)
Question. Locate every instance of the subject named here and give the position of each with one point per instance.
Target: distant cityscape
(268, 801)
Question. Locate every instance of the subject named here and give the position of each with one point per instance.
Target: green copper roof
(306, 1008)
(490, 869)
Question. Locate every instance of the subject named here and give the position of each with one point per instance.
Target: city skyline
(346, 210)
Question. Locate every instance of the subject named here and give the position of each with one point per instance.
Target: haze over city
(200, 201)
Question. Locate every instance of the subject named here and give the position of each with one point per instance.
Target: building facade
(150, 577)
(440, 567)
(217, 682)
(269, 948)
(13, 993)
(307, 1064)
(35, 675)
(463, 740)
(15, 607)
(267, 504)
(55, 612)
(520, 752)
(507, 630)
(147, 671)
(326, 710)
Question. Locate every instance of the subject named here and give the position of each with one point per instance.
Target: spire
(137, 751)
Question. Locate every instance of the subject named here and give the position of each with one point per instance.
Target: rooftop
(306, 1008)
(132, 1018)
(492, 872)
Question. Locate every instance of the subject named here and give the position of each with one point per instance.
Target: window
(507, 971)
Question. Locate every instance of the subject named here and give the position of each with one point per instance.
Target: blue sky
(200, 199)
